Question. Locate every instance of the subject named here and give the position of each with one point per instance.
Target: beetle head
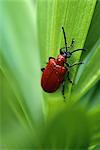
(65, 54)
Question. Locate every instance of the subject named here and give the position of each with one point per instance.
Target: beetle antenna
(64, 38)
(78, 50)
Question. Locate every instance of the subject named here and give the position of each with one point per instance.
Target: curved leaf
(68, 130)
(88, 74)
(51, 16)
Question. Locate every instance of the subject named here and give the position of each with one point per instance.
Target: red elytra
(54, 73)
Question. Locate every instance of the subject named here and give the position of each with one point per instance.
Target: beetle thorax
(61, 60)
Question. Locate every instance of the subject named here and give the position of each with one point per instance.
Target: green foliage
(69, 130)
(30, 32)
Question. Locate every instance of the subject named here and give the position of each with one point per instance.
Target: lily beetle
(57, 69)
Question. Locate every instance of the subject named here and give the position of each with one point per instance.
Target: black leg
(78, 50)
(69, 78)
(63, 89)
(68, 65)
(78, 63)
(42, 69)
(51, 58)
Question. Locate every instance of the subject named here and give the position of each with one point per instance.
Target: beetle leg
(69, 78)
(68, 65)
(79, 50)
(51, 58)
(78, 63)
(42, 69)
(63, 89)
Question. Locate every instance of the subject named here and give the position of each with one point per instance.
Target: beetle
(54, 74)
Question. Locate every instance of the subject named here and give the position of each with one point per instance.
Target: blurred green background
(30, 32)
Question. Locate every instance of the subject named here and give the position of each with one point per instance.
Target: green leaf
(91, 69)
(19, 48)
(94, 117)
(75, 16)
(21, 99)
(30, 32)
(88, 74)
(94, 30)
(68, 130)
(91, 100)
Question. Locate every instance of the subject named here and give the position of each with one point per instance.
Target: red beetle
(54, 74)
